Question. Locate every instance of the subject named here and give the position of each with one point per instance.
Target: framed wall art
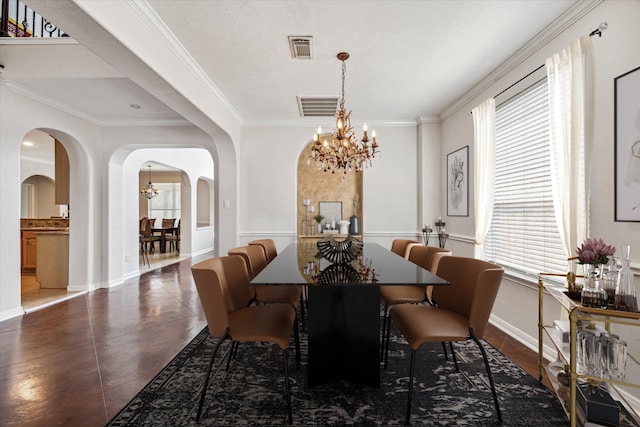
(458, 182)
(627, 146)
(330, 211)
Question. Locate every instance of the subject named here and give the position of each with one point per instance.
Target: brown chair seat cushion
(275, 294)
(391, 295)
(420, 324)
(263, 323)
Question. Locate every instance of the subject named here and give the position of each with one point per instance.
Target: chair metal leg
(287, 386)
(386, 343)
(453, 353)
(302, 313)
(486, 364)
(206, 380)
(386, 330)
(409, 399)
(232, 353)
(296, 335)
(444, 349)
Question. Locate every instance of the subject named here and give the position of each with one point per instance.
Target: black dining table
(343, 300)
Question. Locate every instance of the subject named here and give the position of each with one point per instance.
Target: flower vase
(592, 293)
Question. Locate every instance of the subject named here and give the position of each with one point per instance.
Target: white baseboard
(9, 314)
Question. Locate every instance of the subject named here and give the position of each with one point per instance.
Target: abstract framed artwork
(458, 182)
(330, 211)
(627, 146)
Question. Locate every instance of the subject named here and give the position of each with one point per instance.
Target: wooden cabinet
(625, 323)
(53, 259)
(29, 250)
(62, 174)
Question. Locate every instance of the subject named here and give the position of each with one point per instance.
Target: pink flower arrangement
(594, 251)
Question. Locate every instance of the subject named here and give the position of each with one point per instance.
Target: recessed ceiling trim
(301, 47)
(317, 106)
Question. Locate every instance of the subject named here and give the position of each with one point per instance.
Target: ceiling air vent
(300, 47)
(318, 106)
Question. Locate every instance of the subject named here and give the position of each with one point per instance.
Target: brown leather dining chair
(427, 257)
(402, 246)
(223, 287)
(270, 251)
(255, 257)
(269, 247)
(461, 311)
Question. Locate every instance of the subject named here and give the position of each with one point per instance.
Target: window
(167, 203)
(523, 235)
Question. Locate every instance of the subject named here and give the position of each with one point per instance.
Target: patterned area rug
(251, 392)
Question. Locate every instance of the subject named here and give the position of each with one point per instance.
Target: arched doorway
(326, 194)
(44, 222)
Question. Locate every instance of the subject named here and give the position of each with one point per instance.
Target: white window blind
(523, 234)
(167, 203)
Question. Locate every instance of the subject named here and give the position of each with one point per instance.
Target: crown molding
(165, 35)
(324, 122)
(562, 23)
(427, 119)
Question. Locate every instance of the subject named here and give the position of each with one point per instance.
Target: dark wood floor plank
(77, 363)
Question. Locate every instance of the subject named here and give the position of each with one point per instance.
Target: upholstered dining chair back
(220, 296)
(145, 227)
(268, 246)
(168, 222)
(253, 256)
(427, 257)
(402, 246)
(473, 289)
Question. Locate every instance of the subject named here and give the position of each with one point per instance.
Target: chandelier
(150, 191)
(343, 151)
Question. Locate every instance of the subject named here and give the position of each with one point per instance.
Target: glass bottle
(625, 298)
(611, 278)
(593, 295)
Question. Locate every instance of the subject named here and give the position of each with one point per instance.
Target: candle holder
(426, 234)
(442, 233)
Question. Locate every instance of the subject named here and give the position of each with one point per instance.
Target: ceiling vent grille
(318, 106)
(301, 47)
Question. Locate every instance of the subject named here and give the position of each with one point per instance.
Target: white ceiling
(408, 58)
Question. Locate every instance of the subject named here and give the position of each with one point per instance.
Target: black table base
(344, 334)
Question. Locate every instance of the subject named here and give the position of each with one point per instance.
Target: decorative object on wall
(331, 211)
(150, 191)
(342, 151)
(458, 182)
(308, 226)
(627, 146)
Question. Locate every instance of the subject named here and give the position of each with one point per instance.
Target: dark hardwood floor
(78, 362)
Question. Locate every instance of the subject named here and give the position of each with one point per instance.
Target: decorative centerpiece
(340, 252)
(593, 254)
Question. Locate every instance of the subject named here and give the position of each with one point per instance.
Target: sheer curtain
(570, 81)
(484, 166)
